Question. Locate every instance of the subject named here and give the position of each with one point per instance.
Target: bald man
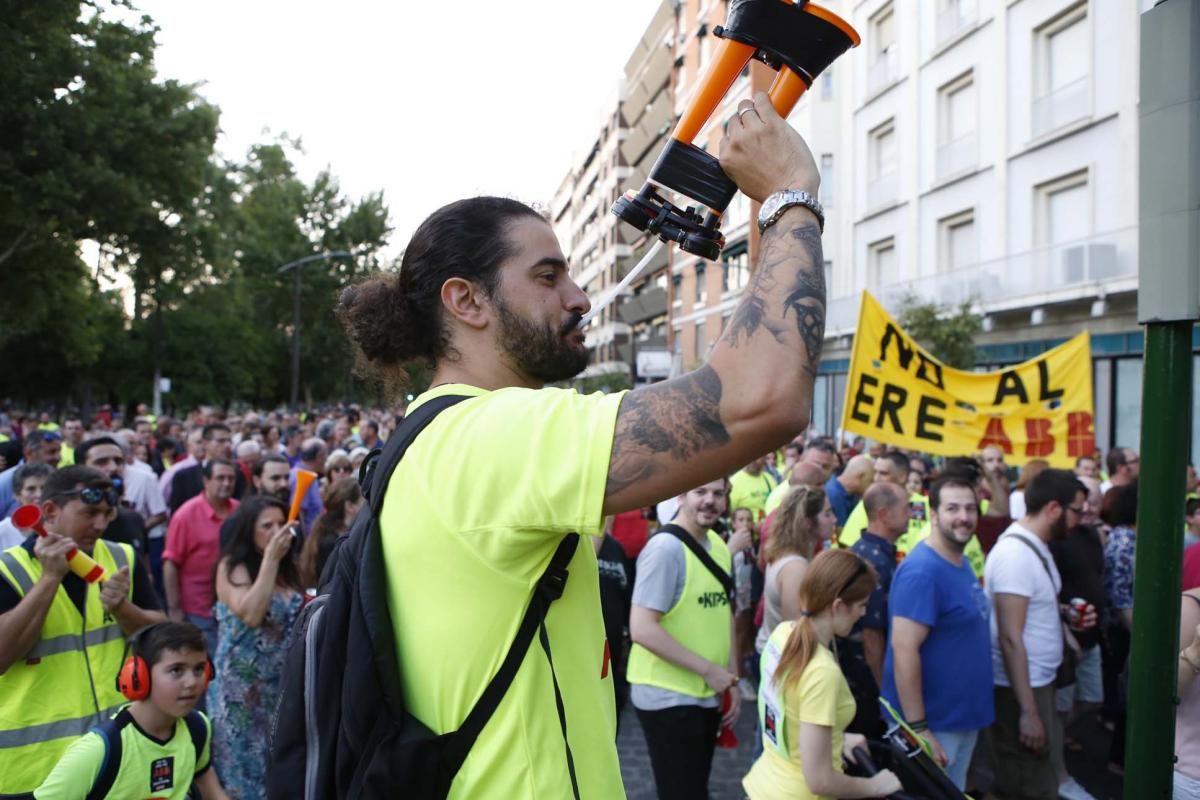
(803, 473)
(844, 490)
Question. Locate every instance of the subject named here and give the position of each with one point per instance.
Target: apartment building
(994, 161)
(971, 151)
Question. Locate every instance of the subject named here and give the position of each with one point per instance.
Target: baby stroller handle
(862, 758)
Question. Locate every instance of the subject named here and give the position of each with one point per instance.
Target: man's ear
(466, 302)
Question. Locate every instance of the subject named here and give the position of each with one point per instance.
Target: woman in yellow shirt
(804, 703)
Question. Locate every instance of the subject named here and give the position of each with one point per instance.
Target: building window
(702, 45)
(883, 183)
(958, 140)
(881, 264)
(1063, 209)
(884, 63)
(828, 278)
(1062, 69)
(677, 287)
(735, 271)
(827, 84)
(701, 287)
(827, 180)
(956, 241)
(955, 16)
(701, 345)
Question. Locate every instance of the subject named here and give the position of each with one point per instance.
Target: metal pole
(1166, 392)
(296, 341)
(1168, 305)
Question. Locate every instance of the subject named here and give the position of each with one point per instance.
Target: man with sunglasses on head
(41, 447)
(61, 638)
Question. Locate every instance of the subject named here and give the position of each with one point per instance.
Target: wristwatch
(774, 206)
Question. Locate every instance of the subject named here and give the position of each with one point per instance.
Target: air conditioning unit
(1089, 262)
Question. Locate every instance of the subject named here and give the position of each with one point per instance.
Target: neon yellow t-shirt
(750, 491)
(149, 768)
(822, 697)
(465, 542)
(776, 497)
(66, 456)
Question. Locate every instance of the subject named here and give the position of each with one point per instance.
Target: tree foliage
(98, 154)
(946, 332)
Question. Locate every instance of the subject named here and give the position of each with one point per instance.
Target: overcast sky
(428, 101)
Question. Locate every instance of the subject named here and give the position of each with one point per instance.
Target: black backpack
(341, 729)
(110, 733)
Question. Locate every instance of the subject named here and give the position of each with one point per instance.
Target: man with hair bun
(485, 300)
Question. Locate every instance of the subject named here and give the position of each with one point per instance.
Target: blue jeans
(959, 748)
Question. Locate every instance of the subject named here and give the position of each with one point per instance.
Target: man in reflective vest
(61, 638)
(681, 661)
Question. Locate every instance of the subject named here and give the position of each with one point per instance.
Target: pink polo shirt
(193, 546)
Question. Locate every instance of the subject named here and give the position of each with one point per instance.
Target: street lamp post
(295, 267)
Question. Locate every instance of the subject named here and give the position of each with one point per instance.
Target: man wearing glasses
(41, 447)
(1023, 584)
(62, 639)
(1122, 463)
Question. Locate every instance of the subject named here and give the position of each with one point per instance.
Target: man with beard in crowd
(938, 669)
(485, 297)
(682, 660)
(1027, 638)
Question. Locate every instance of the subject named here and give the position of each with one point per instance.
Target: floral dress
(1118, 567)
(244, 693)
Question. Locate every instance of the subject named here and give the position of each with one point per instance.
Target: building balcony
(1105, 263)
(884, 71)
(957, 17)
(883, 190)
(649, 304)
(957, 156)
(1061, 107)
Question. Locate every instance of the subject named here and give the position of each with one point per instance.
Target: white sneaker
(747, 689)
(1071, 790)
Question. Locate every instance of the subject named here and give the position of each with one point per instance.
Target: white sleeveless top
(772, 604)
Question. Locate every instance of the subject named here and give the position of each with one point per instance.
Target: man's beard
(540, 352)
(946, 533)
(1059, 529)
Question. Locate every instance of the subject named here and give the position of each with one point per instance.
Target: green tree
(946, 332)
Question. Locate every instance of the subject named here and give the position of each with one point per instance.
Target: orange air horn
(797, 39)
(29, 518)
(304, 479)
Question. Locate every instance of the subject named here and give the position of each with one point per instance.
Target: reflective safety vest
(66, 683)
(699, 621)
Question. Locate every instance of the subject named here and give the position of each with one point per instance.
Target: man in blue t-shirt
(938, 671)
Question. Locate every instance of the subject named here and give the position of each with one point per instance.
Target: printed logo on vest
(162, 774)
(712, 599)
(770, 727)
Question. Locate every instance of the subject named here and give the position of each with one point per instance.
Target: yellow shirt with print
(465, 542)
(750, 491)
(822, 697)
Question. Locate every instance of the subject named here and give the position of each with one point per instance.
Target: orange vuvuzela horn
(304, 479)
(796, 38)
(29, 517)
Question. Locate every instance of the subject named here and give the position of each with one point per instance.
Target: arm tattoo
(807, 298)
(680, 417)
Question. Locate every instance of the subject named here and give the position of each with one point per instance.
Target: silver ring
(744, 111)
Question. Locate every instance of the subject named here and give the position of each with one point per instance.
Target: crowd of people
(189, 519)
(1011, 647)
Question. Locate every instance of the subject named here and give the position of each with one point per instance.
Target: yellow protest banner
(899, 394)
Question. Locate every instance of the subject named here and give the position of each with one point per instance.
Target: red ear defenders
(133, 681)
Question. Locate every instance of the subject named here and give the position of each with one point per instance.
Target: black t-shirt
(143, 588)
(1079, 557)
(615, 594)
(129, 527)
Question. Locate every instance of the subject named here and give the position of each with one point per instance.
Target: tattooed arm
(755, 392)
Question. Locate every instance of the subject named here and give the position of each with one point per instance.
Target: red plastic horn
(29, 518)
(726, 737)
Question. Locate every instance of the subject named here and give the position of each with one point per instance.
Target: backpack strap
(198, 730)
(699, 552)
(1045, 565)
(548, 589)
(109, 733)
(380, 464)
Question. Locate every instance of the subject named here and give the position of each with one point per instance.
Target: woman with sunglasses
(804, 703)
(337, 466)
(259, 595)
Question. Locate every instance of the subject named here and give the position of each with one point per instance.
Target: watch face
(769, 208)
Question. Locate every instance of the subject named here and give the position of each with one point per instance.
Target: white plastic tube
(629, 278)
